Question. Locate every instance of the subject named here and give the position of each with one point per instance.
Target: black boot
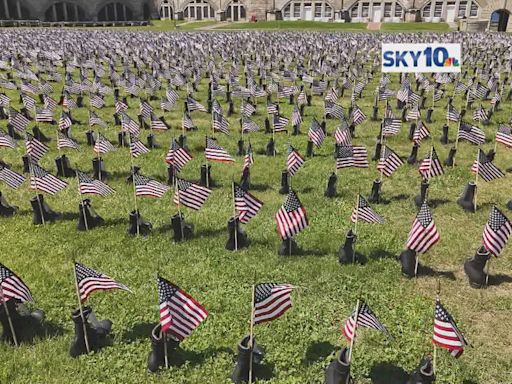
(412, 159)
(63, 167)
(152, 141)
(346, 254)
(424, 374)
(182, 141)
(309, 149)
(97, 332)
(267, 126)
(408, 261)
(245, 179)
(331, 186)
(467, 200)
(412, 129)
(171, 175)
(285, 187)
(134, 170)
(156, 357)
(296, 130)
(474, 268)
(428, 119)
(90, 138)
(6, 210)
(236, 233)
(117, 120)
(289, 247)
(375, 193)
(181, 229)
(338, 371)
(26, 163)
(87, 217)
(270, 148)
(241, 149)
(138, 225)
(42, 212)
(378, 151)
(490, 155)
(242, 365)
(39, 135)
(122, 141)
(444, 137)
(27, 324)
(375, 114)
(509, 205)
(206, 176)
(419, 199)
(98, 167)
(451, 155)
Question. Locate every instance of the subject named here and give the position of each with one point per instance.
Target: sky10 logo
(433, 57)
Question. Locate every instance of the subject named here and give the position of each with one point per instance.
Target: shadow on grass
(434, 203)
(499, 279)
(318, 351)
(69, 216)
(386, 373)
(138, 332)
(259, 187)
(399, 197)
(424, 270)
(46, 330)
(211, 232)
(377, 254)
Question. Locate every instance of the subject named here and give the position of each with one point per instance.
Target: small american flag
(316, 133)
(94, 119)
(485, 168)
(194, 105)
(42, 180)
(89, 280)
(471, 133)
(391, 126)
(11, 178)
(431, 166)
(180, 313)
(120, 106)
(480, 114)
(220, 123)
(334, 110)
(44, 115)
(423, 234)
(279, 123)
(291, 217)
(102, 145)
(342, 136)
(186, 122)
(6, 140)
(496, 232)
(157, 124)
(64, 121)
(18, 121)
(389, 162)
(246, 204)
(49, 103)
(35, 148)
(145, 109)
(357, 115)
(296, 116)
(64, 141)
(452, 114)
(137, 148)
(88, 185)
(271, 301)
(148, 187)
(190, 195)
(248, 109)
(177, 156)
(172, 96)
(413, 113)
(129, 125)
(249, 125)
(351, 156)
(294, 161)
(215, 152)
(366, 319)
(165, 105)
(248, 158)
(68, 102)
(97, 101)
(504, 135)
(365, 213)
(28, 102)
(12, 286)
(446, 333)
(272, 108)
(420, 132)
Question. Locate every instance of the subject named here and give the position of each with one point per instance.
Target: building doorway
(499, 20)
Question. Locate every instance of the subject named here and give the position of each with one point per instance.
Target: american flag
(391, 127)
(157, 124)
(480, 91)
(403, 94)
(165, 105)
(272, 108)
(18, 121)
(246, 204)
(385, 93)
(102, 145)
(446, 334)
(145, 109)
(180, 313)
(190, 195)
(332, 95)
(49, 103)
(334, 110)
(64, 141)
(271, 301)
(6, 140)
(94, 119)
(420, 132)
(351, 156)
(44, 115)
(389, 162)
(452, 114)
(215, 152)
(342, 136)
(248, 158)
(285, 91)
(316, 133)
(431, 166)
(388, 112)
(29, 88)
(279, 123)
(485, 168)
(68, 102)
(177, 156)
(365, 213)
(294, 161)
(28, 102)
(249, 125)
(220, 123)
(247, 109)
(471, 133)
(12, 286)
(194, 105)
(504, 135)
(41, 180)
(35, 148)
(365, 318)
(148, 187)
(97, 101)
(89, 280)
(129, 125)
(11, 178)
(186, 121)
(64, 121)
(88, 185)
(437, 95)
(302, 98)
(137, 148)
(423, 234)
(296, 116)
(357, 116)
(172, 96)
(120, 106)
(291, 217)
(497, 230)
(480, 114)
(460, 87)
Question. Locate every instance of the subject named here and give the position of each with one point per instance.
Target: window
(462, 8)
(286, 12)
(426, 10)
(438, 10)
(473, 11)
(353, 11)
(318, 10)
(328, 10)
(398, 10)
(387, 9)
(364, 12)
(296, 10)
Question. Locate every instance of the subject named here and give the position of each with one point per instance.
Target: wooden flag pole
(434, 363)
(59, 150)
(11, 326)
(234, 215)
(98, 155)
(206, 162)
(86, 337)
(352, 341)
(476, 175)
(251, 332)
(80, 195)
(134, 188)
(382, 151)
(177, 191)
(166, 354)
(457, 141)
(488, 270)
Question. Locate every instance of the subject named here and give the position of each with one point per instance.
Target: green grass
(297, 25)
(300, 344)
(414, 27)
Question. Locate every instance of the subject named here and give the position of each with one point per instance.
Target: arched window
(307, 10)
(13, 10)
(448, 11)
(387, 11)
(198, 10)
(64, 11)
(166, 12)
(115, 12)
(235, 11)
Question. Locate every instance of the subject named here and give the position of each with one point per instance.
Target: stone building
(466, 14)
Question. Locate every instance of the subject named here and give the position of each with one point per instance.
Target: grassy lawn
(300, 344)
(297, 25)
(414, 27)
